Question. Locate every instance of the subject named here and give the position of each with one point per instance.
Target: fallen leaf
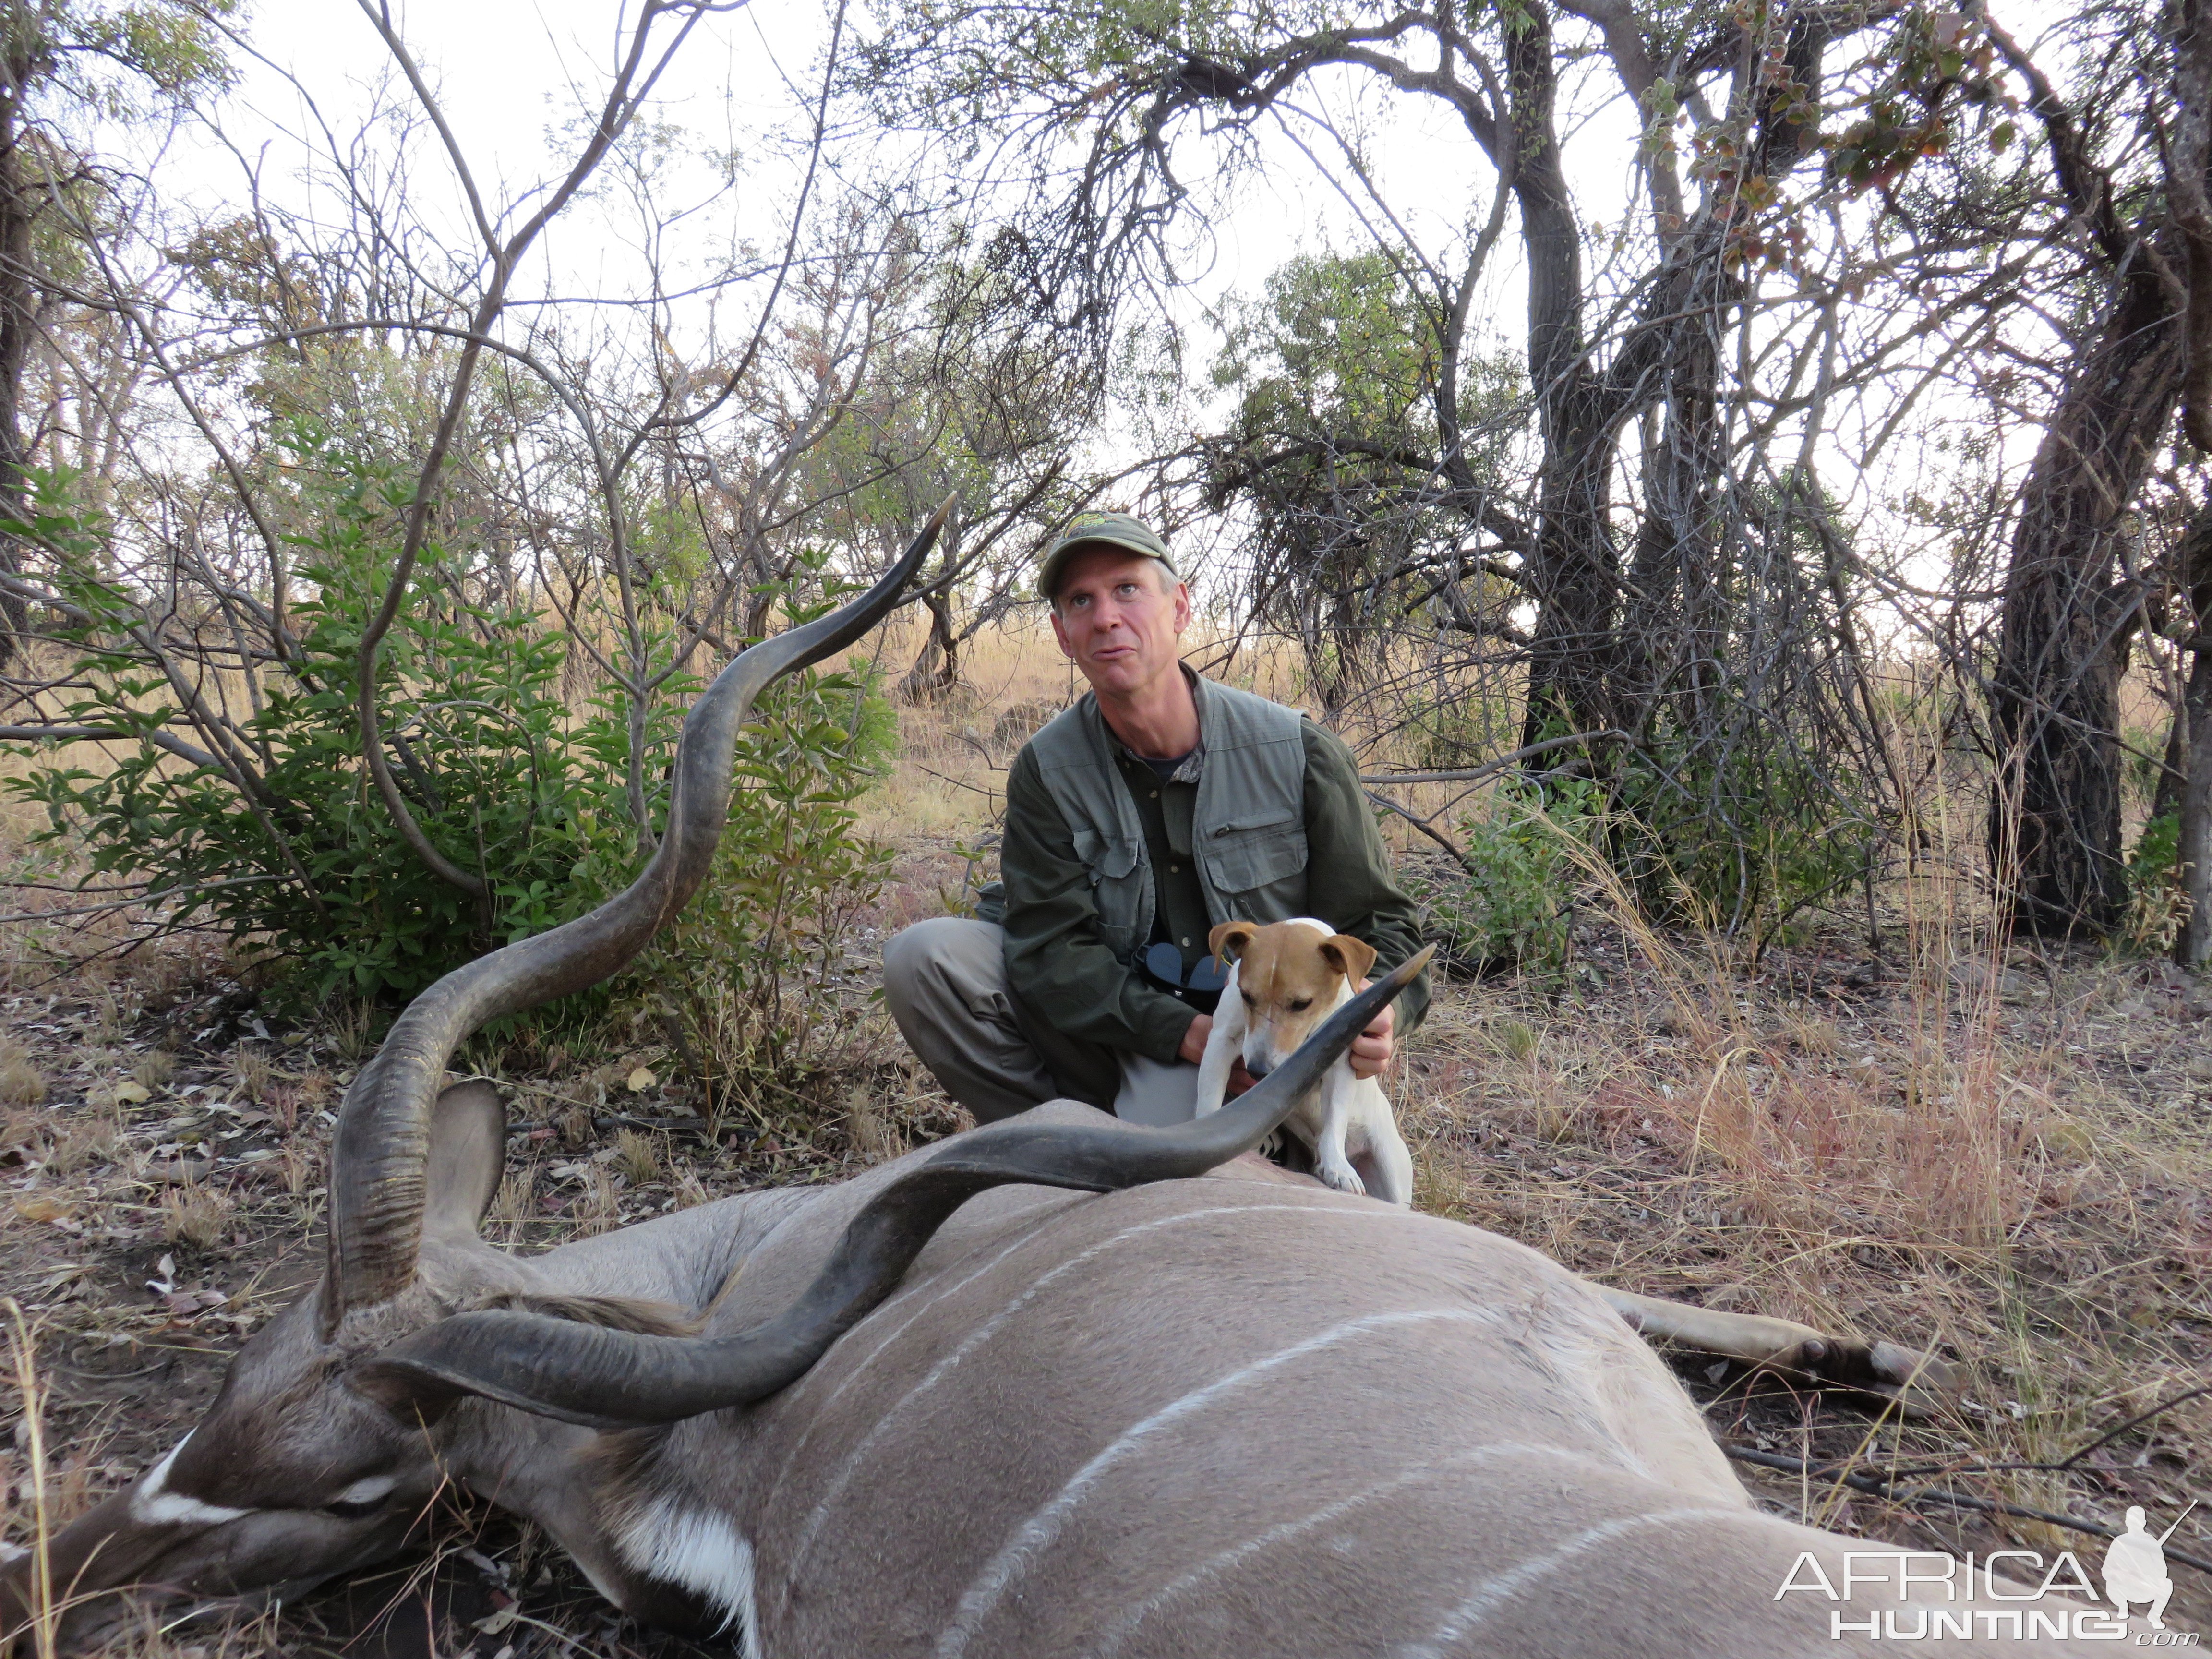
(41, 1209)
(131, 1094)
(641, 1079)
(495, 1623)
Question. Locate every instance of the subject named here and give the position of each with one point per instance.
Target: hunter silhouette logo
(1935, 1597)
(2134, 1567)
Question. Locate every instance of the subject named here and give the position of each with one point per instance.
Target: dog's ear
(1350, 957)
(1229, 940)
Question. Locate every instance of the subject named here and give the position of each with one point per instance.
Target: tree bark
(19, 298)
(2192, 946)
(2054, 695)
(1574, 570)
(936, 670)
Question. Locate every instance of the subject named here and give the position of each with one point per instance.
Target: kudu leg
(1916, 1382)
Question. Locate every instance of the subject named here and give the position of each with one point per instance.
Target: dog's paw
(1343, 1177)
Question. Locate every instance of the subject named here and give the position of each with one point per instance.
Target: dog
(1284, 980)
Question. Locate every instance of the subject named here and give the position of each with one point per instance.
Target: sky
(508, 72)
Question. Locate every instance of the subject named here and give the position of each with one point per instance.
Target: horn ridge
(382, 1138)
(611, 1379)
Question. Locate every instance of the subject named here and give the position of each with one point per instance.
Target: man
(1158, 805)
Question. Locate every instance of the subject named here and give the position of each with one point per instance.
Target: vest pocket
(1116, 887)
(1108, 858)
(1260, 857)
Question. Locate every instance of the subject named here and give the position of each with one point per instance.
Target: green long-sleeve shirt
(1062, 970)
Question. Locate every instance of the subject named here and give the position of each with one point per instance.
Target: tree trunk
(2185, 786)
(936, 670)
(2192, 948)
(2054, 695)
(1574, 570)
(1678, 639)
(19, 300)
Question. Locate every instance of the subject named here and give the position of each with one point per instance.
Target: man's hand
(1194, 1040)
(1193, 1050)
(1371, 1049)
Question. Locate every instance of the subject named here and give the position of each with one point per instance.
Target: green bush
(305, 869)
(755, 967)
(1741, 843)
(1520, 909)
(2155, 901)
(1742, 848)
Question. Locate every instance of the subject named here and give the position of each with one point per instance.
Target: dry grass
(195, 1217)
(154, 1069)
(80, 1144)
(21, 1083)
(2012, 1174)
(873, 1133)
(637, 1158)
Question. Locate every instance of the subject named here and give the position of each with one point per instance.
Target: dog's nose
(1259, 1068)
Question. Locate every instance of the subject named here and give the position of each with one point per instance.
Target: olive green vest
(1248, 827)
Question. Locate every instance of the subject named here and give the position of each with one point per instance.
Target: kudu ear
(468, 1155)
(611, 1379)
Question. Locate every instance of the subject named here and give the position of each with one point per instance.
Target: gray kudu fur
(1057, 1385)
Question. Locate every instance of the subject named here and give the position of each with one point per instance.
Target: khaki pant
(945, 983)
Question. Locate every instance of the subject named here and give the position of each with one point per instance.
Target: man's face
(1119, 618)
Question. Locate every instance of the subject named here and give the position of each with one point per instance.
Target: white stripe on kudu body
(1021, 1553)
(887, 1422)
(850, 1374)
(1493, 1593)
(1248, 1437)
(1215, 1567)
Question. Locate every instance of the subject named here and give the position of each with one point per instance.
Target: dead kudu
(1058, 1385)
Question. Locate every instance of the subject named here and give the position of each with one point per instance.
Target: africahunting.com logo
(1946, 1597)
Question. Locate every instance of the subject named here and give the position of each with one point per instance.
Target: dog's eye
(1249, 1000)
(1302, 1005)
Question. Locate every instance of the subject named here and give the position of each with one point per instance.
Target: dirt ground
(2002, 1159)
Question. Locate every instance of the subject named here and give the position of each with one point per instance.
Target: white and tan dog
(1284, 980)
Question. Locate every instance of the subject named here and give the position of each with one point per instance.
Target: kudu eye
(362, 1499)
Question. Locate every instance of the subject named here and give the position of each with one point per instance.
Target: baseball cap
(1113, 529)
